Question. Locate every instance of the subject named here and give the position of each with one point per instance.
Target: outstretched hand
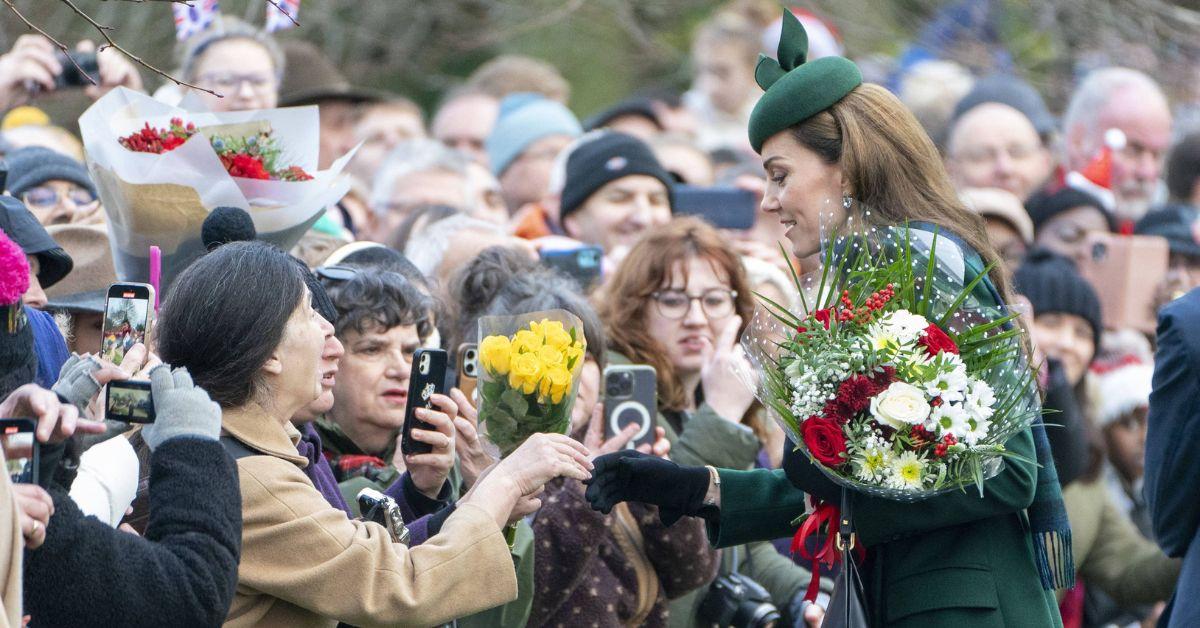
(633, 476)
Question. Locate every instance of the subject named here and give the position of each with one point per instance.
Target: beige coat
(304, 563)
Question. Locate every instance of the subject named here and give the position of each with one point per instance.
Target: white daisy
(907, 471)
(950, 383)
(977, 430)
(951, 418)
(872, 463)
(905, 326)
(980, 399)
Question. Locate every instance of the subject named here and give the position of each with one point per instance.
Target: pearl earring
(847, 201)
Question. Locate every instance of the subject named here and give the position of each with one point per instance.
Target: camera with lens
(620, 384)
(737, 601)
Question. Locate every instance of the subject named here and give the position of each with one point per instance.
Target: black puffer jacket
(181, 574)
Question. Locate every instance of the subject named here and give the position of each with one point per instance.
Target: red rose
(935, 340)
(825, 441)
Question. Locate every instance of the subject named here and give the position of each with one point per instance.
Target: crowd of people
(280, 378)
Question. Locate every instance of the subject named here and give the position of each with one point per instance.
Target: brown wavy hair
(893, 168)
(649, 267)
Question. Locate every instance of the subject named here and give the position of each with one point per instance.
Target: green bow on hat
(797, 89)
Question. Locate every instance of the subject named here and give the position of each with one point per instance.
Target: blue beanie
(524, 119)
(32, 166)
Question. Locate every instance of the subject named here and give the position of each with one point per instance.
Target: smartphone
(129, 401)
(582, 264)
(468, 369)
(1127, 273)
(428, 379)
(71, 76)
(631, 397)
(22, 451)
(722, 207)
(127, 316)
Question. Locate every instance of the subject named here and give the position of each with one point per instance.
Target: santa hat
(1119, 390)
(1095, 177)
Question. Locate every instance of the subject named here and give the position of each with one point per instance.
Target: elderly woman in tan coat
(241, 321)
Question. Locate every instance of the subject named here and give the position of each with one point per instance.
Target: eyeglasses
(48, 198)
(336, 273)
(675, 304)
(230, 82)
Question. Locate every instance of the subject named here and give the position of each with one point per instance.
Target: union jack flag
(278, 12)
(192, 19)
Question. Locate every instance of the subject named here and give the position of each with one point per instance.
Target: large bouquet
(529, 375)
(901, 377)
(161, 169)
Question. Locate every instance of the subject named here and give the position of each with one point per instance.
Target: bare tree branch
(275, 4)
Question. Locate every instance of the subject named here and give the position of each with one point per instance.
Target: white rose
(900, 405)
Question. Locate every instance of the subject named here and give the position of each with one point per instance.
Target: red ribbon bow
(825, 515)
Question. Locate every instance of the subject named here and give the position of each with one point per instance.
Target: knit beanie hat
(524, 119)
(1011, 91)
(796, 88)
(1118, 390)
(1052, 285)
(32, 166)
(608, 157)
(1043, 206)
(18, 361)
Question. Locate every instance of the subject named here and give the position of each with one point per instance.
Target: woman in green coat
(831, 145)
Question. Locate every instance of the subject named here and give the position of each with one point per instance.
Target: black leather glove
(629, 475)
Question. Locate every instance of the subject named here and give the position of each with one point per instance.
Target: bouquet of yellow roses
(529, 367)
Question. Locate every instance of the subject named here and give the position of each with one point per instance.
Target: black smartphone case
(421, 388)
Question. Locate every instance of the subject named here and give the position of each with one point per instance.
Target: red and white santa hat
(1118, 389)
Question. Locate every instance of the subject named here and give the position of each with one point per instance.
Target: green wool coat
(953, 560)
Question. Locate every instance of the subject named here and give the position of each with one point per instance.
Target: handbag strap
(629, 536)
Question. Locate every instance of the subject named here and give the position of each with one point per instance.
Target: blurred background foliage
(610, 48)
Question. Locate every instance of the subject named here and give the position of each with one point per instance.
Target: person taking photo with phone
(235, 318)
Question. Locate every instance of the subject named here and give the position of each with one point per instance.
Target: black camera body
(71, 76)
(737, 601)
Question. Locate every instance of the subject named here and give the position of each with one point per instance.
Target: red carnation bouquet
(252, 157)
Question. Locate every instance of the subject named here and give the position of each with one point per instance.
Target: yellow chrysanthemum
(495, 354)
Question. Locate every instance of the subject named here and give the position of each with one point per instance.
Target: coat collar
(259, 431)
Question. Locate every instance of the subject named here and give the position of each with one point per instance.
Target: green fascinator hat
(797, 89)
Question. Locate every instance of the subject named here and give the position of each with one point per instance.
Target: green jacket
(709, 439)
(1110, 554)
(952, 560)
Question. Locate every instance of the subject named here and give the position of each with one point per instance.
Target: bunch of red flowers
(247, 158)
(159, 141)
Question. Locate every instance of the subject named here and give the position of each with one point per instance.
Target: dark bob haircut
(226, 314)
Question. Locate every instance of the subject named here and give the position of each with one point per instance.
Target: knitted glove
(76, 385)
(629, 475)
(181, 409)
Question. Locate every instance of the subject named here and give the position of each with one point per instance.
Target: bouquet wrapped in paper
(161, 169)
(901, 376)
(529, 375)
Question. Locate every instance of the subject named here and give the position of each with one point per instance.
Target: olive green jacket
(1110, 554)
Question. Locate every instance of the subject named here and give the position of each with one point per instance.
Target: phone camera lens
(1099, 251)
